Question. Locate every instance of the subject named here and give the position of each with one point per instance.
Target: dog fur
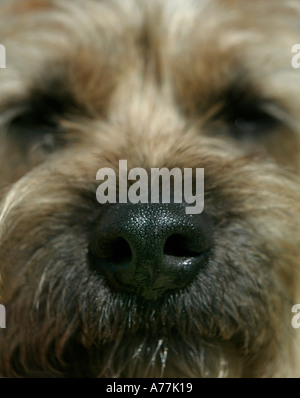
(185, 83)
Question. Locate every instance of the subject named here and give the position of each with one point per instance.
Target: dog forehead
(91, 44)
(93, 22)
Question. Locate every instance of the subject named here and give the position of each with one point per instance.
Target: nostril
(118, 251)
(115, 251)
(177, 246)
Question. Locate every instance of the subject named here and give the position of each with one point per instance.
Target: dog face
(138, 291)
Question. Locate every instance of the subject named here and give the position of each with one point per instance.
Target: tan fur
(148, 81)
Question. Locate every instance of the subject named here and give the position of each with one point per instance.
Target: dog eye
(34, 122)
(246, 113)
(249, 121)
(35, 129)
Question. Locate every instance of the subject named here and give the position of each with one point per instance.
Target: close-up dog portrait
(91, 287)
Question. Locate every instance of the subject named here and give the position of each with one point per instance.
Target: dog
(143, 289)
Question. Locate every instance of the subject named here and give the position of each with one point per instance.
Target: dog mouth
(142, 338)
(156, 356)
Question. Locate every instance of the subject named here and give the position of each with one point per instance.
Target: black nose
(148, 249)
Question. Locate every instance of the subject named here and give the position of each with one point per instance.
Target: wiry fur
(145, 81)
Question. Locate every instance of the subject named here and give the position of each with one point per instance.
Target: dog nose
(149, 249)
